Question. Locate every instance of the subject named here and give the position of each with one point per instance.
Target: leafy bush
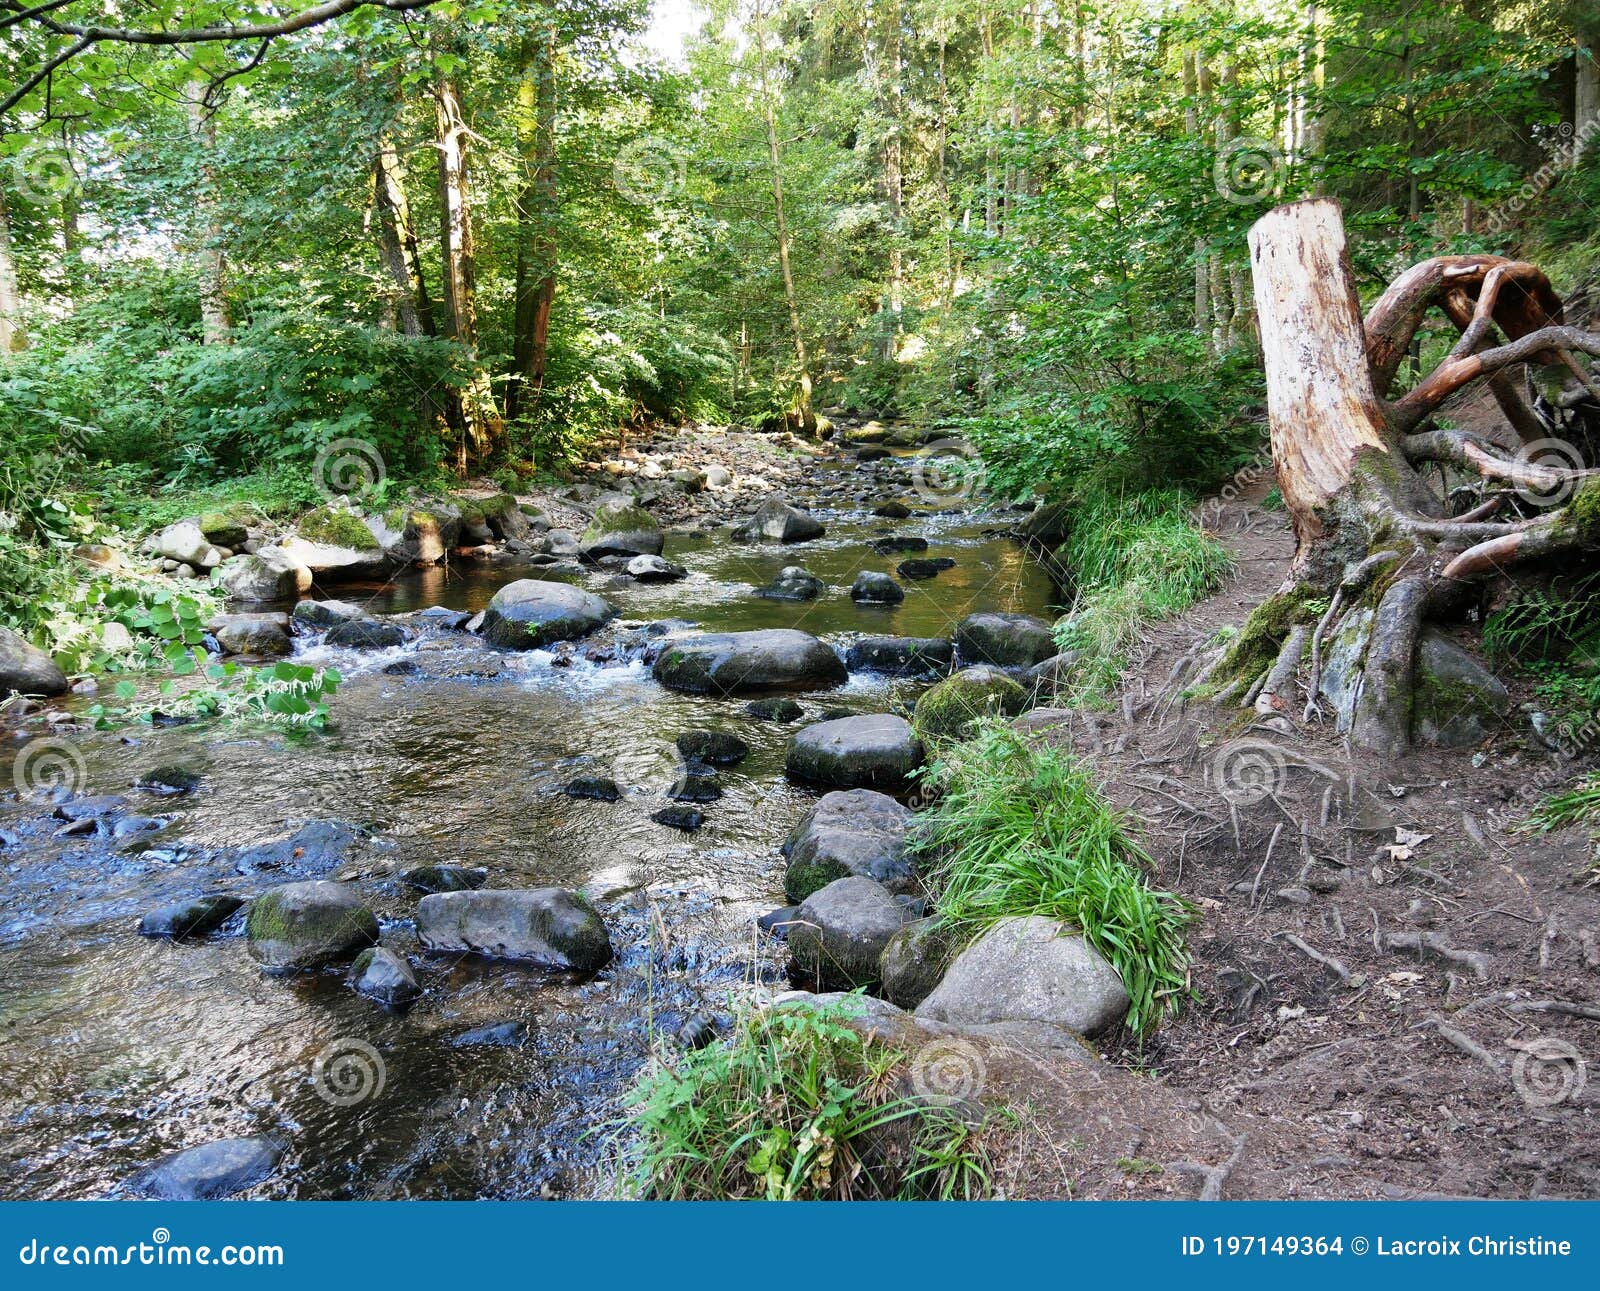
(1026, 831)
(796, 1105)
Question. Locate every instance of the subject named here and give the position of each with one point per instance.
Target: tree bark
(1586, 92)
(537, 210)
(215, 324)
(12, 337)
(397, 244)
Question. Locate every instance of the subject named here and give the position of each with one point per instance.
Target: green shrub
(796, 1105)
(1027, 831)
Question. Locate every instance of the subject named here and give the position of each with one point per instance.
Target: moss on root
(1583, 512)
(1262, 635)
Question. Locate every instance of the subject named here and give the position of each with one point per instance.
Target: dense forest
(1188, 410)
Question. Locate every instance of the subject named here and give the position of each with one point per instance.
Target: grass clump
(1134, 560)
(797, 1106)
(1026, 831)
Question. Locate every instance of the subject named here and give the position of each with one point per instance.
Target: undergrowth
(1027, 831)
(797, 1105)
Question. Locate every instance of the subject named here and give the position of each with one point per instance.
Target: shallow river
(118, 1048)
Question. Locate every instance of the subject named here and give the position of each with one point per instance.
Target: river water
(118, 1049)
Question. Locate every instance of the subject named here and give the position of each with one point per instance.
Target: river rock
(793, 584)
(718, 748)
(548, 926)
(839, 935)
(366, 634)
(510, 1034)
(874, 588)
(654, 569)
(253, 634)
(210, 1171)
(687, 819)
(620, 529)
(776, 521)
(532, 612)
(892, 510)
(1029, 969)
(597, 787)
(269, 575)
(735, 663)
(168, 781)
(343, 546)
(308, 925)
(445, 878)
(327, 614)
(914, 962)
(501, 514)
(192, 918)
(382, 975)
(894, 546)
(877, 750)
(224, 530)
(1007, 640)
(901, 656)
(423, 534)
(1054, 676)
(857, 832)
(919, 568)
(951, 709)
(185, 543)
(1457, 702)
(27, 670)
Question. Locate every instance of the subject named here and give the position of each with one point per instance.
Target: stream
(120, 1048)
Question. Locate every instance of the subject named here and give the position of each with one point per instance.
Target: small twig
(1570, 1008)
(1462, 1041)
(1432, 943)
(1267, 860)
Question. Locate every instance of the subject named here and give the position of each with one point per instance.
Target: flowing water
(119, 1048)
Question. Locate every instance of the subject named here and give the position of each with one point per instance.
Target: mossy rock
(301, 926)
(333, 528)
(224, 529)
(950, 709)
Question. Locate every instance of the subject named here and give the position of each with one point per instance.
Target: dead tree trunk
(1382, 550)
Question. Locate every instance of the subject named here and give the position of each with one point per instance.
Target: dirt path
(1379, 1013)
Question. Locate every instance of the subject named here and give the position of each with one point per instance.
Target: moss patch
(620, 518)
(950, 709)
(1583, 512)
(336, 529)
(225, 528)
(1256, 647)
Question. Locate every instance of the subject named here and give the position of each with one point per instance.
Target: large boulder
(875, 588)
(307, 925)
(224, 529)
(548, 926)
(839, 933)
(501, 514)
(621, 529)
(419, 535)
(1458, 702)
(950, 709)
(776, 521)
(210, 1171)
(27, 670)
(793, 584)
(1055, 676)
(185, 543)
(327, 614)
(271, 574)
(533, 612)
(264, 635)
(1007, 640)
(1028, 969)
(914, 961)
(877, 750)
(901, 656)
(740, 663)
(334, 543)
(854, 832)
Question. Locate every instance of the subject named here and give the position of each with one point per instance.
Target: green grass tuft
(797, 1106)
(1024, 831)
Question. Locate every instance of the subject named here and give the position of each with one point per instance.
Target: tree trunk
(12, 337)
(1586, 92)
(397, 243)
(1375, 542)
(807, 415)
(215, 325)
(536, 221)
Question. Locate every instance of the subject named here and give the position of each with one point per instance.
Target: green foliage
(1027, 831)
(282, 694)
(1133, 560)
(797, 1105)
